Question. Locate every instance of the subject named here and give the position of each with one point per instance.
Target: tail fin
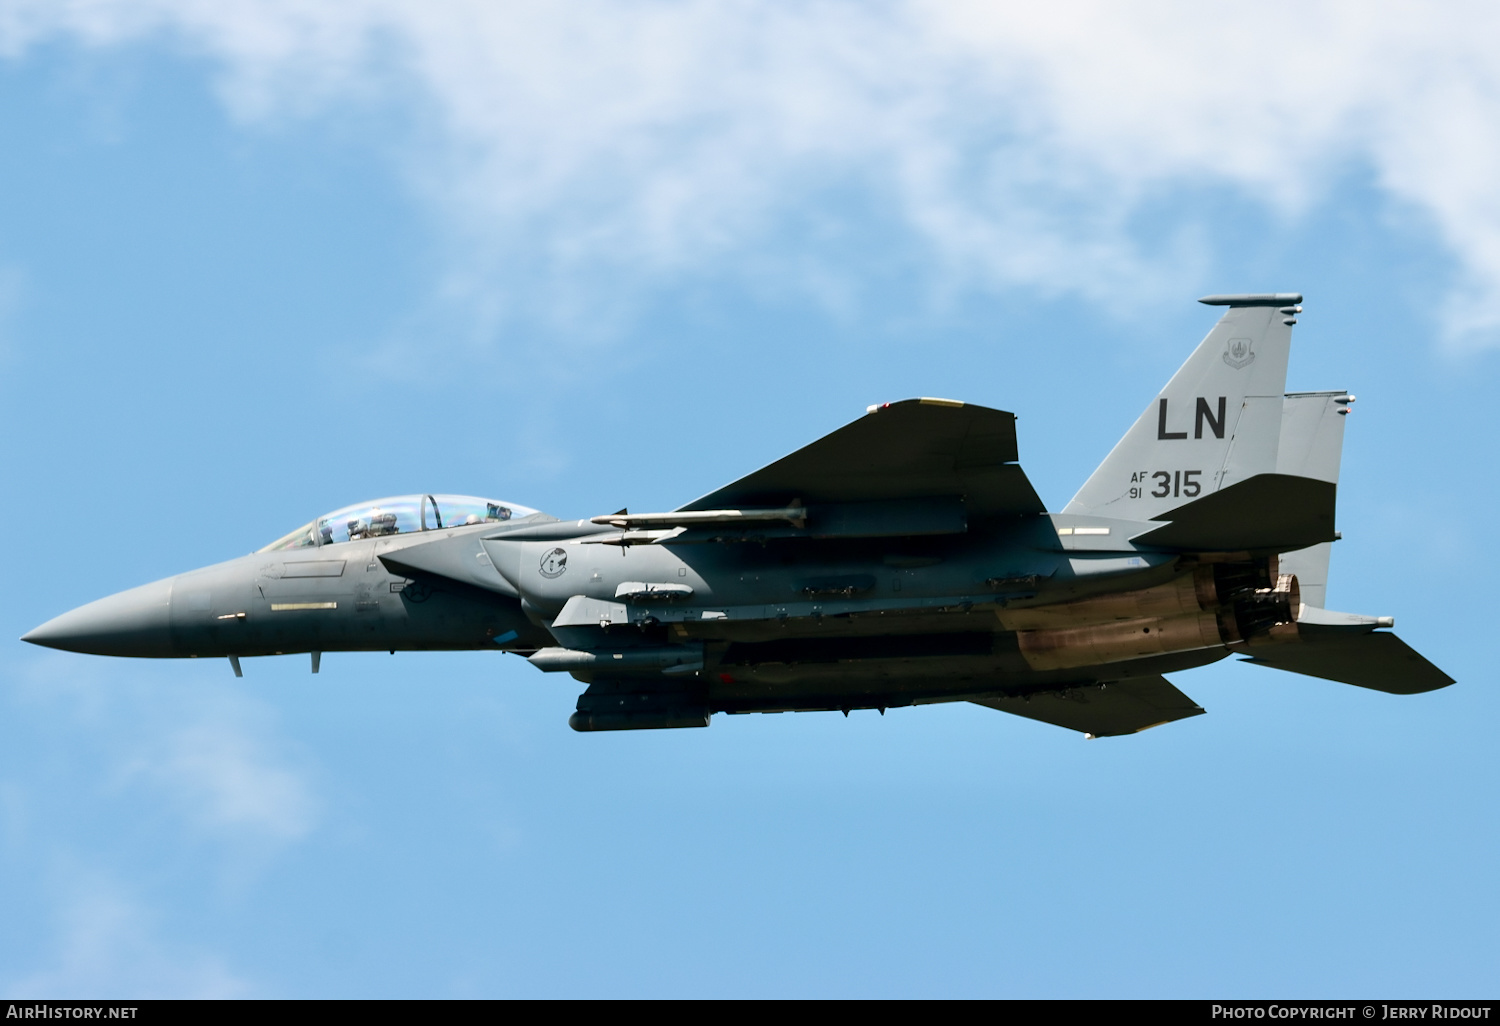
(1312, 442)
(1217, 422)
(1344, 647)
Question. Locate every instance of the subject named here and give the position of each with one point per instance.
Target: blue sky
(259, 261)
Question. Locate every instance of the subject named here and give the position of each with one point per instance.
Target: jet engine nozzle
(1257, 611)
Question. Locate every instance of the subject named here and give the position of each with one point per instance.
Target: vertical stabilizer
(1312, 444)
(1216, 423)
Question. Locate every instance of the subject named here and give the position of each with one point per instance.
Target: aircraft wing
(913, 449)
(1123, 707)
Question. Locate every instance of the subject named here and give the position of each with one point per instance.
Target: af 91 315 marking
(1174, 483)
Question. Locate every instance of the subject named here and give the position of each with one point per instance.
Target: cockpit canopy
(404, 514)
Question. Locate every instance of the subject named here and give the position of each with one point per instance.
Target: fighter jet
(902, 560)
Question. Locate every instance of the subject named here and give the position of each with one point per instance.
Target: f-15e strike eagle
(902, 560)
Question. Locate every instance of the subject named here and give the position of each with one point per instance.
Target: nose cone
(132, 623)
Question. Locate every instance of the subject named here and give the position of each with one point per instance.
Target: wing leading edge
(913, 449)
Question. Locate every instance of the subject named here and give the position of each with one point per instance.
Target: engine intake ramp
(1122, 707)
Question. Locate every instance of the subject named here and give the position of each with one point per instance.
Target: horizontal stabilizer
(1123, 707)
(1266, 513)
(1376, 660)
(914, 449)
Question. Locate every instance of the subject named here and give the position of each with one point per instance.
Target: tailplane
(1349, 649)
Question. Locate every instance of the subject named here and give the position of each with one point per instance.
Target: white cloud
(211, 757)
(1014, 143)
(106, 943)
(120, 761)
(228, 781)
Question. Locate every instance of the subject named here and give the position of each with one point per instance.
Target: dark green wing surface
(1266, 513)
(1123, 707)
(1375, 660)
(913, 449)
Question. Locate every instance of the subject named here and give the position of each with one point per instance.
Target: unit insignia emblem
(1238, 353)
(554, 562)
